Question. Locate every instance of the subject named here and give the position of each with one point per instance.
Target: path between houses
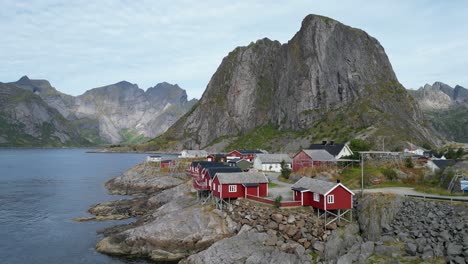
(283, 188)
(407, 191)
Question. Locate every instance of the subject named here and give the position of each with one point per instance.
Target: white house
(193, 154)
(153, 158)
(336, 150)
(415, 151)
(271, 162)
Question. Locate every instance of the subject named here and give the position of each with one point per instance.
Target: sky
(81, 44)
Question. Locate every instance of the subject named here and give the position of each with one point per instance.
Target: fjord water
(42, 190)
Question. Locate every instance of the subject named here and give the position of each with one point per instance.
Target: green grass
(131, 137)
(260, 138)
(272, 185)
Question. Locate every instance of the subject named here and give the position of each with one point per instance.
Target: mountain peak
(125, 84)
(24, 79)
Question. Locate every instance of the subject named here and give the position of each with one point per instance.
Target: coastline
(173, 226)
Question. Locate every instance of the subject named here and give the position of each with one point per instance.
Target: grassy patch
(272, 185)
(131, 137)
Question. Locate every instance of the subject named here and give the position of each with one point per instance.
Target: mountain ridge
(115, 113)
(446, 109)
(320, 75)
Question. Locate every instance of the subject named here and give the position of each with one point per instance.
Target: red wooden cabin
(238, 185)
(322, 194)
(309, 158)
(243, 154)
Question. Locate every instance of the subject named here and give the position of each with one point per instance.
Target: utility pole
(362, 174)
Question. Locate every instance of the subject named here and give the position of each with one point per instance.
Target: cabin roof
(319, 155)
(212, 171)
(273, 158)
(334, 149)
(316, 186)
(241, 177)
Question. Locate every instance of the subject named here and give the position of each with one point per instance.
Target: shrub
(278, 200)
(390, 174)
(409, 163)
(285, 171)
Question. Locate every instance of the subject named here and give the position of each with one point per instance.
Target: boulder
(367, 249)
(278, 218)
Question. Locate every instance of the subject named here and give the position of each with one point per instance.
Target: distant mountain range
(330, 81)
(446, 108)
(33, 113)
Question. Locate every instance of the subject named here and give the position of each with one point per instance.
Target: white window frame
(232, 188)
(219, 187)
(316, 197)
(330, 199)
(214, 186)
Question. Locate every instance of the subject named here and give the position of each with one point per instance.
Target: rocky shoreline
(172, 226)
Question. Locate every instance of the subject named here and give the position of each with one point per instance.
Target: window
(214, 186)
(330, 199)
(232, 188)
(316, 197)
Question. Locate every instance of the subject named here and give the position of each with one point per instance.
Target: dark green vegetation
(452, 123)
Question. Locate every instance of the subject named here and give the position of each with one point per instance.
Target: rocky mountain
(330, 81)
(117, 113)
(446, 108)
(26, 120)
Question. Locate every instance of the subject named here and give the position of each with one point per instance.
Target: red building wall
(301, 160)
(215, 189)
(342, 199)
(253, 190)
(240, 192)
(235, 153)
(315, 204)
(297, 196)
(263, 189)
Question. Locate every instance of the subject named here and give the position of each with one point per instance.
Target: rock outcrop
(330, 80)
(143, 178)
(247, 247)
(174, 231)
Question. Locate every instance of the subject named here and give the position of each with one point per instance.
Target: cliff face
(327, 73)
(117, 113)
(124, 108)
(446, 109)
(26, 120)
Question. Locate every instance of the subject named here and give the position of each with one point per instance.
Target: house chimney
(332, 142)
(324, 142)
(338, 181)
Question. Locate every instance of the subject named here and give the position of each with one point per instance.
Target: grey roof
(212, 171)
(442, 164)
(273, 158)
(241, 177)
(334, 149)
(313, 185)
(319, 155)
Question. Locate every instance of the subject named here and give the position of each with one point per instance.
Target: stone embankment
(431, 230)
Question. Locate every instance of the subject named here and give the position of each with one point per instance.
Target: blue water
(41, 191)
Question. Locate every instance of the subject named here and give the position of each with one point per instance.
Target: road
(407, 191)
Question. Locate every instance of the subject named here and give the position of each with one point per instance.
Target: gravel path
(283, 189)
(407, 191)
